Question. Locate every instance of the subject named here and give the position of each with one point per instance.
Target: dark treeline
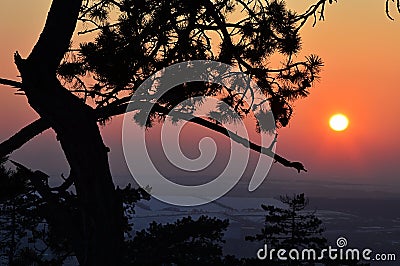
(27, 239)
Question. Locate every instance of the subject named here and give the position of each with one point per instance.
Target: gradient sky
(359, 46)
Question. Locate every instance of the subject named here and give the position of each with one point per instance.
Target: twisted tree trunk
(76, 127)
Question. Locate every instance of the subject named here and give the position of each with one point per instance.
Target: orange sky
(359, 46)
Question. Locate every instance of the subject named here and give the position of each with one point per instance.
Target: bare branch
(312, 12)
(121, 109)
(23, 136)
(248, 144)
(12, 83)
(98, 27)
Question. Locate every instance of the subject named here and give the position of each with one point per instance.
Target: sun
(338, 122)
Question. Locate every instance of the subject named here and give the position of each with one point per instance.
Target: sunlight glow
(339, 122)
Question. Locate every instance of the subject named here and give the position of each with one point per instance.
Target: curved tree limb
(243, 141)
(40, 125)
(23, 136)
(121, 109)
(253, 146)
(12, 83)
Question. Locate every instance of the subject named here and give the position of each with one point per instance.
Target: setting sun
(339, 122)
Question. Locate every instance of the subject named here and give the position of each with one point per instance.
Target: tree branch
(246, 143)
(40, 125)
(23, 136)
(57, 33)
(11, 83)
(217, 128)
